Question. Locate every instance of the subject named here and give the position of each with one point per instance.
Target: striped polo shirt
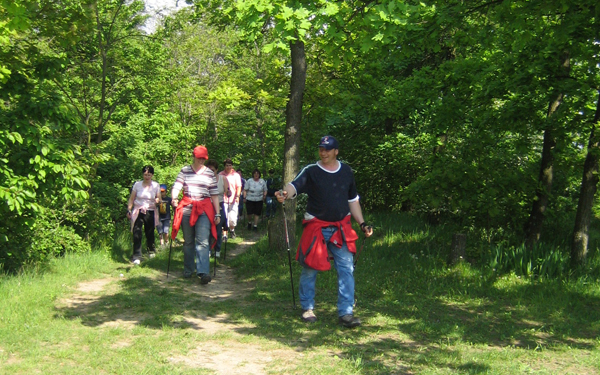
(196, 185)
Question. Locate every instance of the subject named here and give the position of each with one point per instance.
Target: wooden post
(459, 244)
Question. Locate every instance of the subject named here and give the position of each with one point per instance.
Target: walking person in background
(197, 214)
(255, 193)
(164, 216)
(213, 166)
(141, 210)
(231, 198)
(332, 199)
(241, 198)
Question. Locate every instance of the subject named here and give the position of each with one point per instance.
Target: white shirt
(255, 190)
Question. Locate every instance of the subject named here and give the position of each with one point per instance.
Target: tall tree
(101, 63)
(587, 194)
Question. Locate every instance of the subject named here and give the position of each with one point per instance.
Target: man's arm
(356, 212)
(289, 191)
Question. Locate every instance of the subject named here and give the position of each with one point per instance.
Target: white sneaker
(224, 238)
(218, 255)
(136, 262)
(151, 255)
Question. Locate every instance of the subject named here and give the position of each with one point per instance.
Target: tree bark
(533, 230)
(540, 203)
(291, 159)
(589, 182)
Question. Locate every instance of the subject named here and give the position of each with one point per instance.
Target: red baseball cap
(200, 152)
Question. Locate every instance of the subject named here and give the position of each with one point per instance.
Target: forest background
(480, 116)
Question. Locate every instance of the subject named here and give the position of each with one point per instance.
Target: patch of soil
(230, 358)
(235, 358)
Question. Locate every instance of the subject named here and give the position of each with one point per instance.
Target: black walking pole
(215, 252)
(287, 241)
(169, 262)
(359, 250)
(228, 231)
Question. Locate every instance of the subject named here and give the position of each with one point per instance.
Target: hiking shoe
(136, 262)
(224, 238)
(218, 254)
(232, 234)
(309, 316)
(204, 278)
(151, 255)
(349, 321)
(249, 226)
(255, 228)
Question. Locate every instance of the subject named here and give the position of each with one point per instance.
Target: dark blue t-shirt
(166, 207)
(328, 192)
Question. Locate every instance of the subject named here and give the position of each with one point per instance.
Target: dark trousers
(147, 221)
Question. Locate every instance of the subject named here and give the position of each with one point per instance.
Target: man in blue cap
(332, 201)
(164, 216)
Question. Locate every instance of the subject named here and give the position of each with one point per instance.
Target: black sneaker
(309, 316)
(255, 228)
(349, 321)
(204, 278)
(249, 226)
(232, 234)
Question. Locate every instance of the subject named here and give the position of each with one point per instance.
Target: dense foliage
(443, 108)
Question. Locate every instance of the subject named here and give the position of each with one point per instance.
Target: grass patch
(94, 313)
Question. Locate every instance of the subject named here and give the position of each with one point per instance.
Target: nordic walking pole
(287, 241)
(359, 250)
(227, 226)
(169, 261)
(215, 252)
(215, 266)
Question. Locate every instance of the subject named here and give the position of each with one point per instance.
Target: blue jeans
(195, 243)
(344, 265)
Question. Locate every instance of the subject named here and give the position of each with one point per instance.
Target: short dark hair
(212, 163)
(148, 168)
(255, 171)
(228, 161)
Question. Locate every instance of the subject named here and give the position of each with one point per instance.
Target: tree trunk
(291, 159)
(589, 182)
(458, 250)
(533, 230)
(540, 203)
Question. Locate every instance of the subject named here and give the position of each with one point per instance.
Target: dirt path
(232, 357)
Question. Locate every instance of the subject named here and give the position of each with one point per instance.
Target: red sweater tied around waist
(198, 208)
(312, 249)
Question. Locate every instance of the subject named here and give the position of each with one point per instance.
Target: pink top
(234, 182)
(145, 200)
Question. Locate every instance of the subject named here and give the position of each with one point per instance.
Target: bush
(29, 241)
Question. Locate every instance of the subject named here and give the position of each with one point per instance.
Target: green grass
(419, 315)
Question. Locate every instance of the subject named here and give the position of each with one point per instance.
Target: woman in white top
(255, 192)
(141, 210)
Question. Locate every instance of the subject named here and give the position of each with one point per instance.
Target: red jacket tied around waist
(312, 249)
(198, 208)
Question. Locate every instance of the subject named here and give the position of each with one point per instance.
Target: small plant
(541, 261)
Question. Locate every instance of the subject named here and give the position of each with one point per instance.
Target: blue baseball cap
(329, 143)
(163, 187)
